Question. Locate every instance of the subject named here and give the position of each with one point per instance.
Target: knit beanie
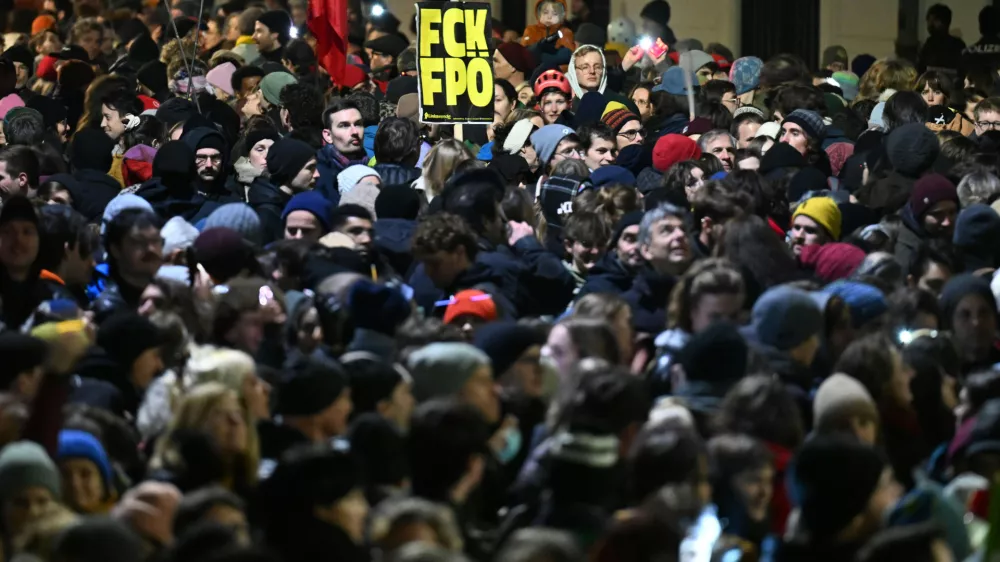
(24, 464)
(21, 353)
(120, 203)
(546, 139)
(441, 369)
(257, 135)
(277, 21)
(377, 307)
(608, 175)
(76, 444)
(471, 302)
(239, 217)
(617, 118)
(143, 51)
(352, 175)
(849, 83)
(716, 354)
(222, 252)
(312, 202)
(673, 148)
(838, 400)
(824, 211)
(976, 231)
(310, 386)
(831, 262)
(363, 194)
(632, 218)
(657, 11)
(929, 191)
(380, 448)
(810, 121)
(519, 57)
(126, 335)
(745, 74)
(286, 158)
(959, 287)
(42, 23)
(153, 75)
(106, 539)
(90, 149)
(784, 317)
(589, 109)
(272, 84)
(866, 302)
(834, 477)
(781, 156)
(912, 149)
(221, 77)
(590, 34)
(505, 342)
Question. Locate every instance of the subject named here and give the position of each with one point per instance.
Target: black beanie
(277, 21)
(21, 54)
(504, 342)
(18, 208)
(153, 75)
(372, 380)
(782, 155)
(834, 477)
(397, 202)
(257, 135)
(144, 51)
(90, 149)
(716, 354)
(21, 353)
(310, 386)
(628, 219)
(175, 110)
(126, 335)
(380, 449)
(286, 158)
(174, 165)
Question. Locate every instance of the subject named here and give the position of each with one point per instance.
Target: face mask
(511, 447)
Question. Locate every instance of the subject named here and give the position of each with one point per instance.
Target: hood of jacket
(245, 171)
(95, 190)
(395, 234)
(263, 192)
(196, 137)
(394, 174)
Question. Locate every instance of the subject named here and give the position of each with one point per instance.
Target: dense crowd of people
(671, 305)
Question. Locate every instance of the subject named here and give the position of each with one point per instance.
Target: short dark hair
(24, 128)
(720, 201)
(339, 216)
(869, 360)
(662, 454)
(904, 107)
(248, 19)
(716, 113)
(588, 228)
(304, 104)
(367, 105)
(476, 203)
(122, 224)
(195, 505)
(588, 132)
(933, 252)
(397, 141)
(444, 436)
(336, 106)
(798, 96)
(941, 13)
(987, 21)
(60, 226)
(714, 90)
(21, 159)
(739, 120)
(123, 101)
(236, 80)
(444, 232)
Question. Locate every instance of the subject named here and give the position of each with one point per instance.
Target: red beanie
(519, 57)
(47, 69)
(833, 261)
(673, 148)
(929, 191)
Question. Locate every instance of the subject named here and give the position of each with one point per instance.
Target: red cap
(721, 61)
(674, 148)
(47, 69)
(471, 302)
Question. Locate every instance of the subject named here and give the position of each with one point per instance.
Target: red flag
(328, 23)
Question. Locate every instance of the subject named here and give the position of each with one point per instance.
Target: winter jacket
(393, 240)
(168, 202)
(268, 201)
(887, 194)
(536, 31)
(498, 283)
(609, 275)
(369, 140)
(648, 298)
(92, 193)
(19, 299)
(394, 174)
(215, 191)
(104, 383)
(910, 236)
(329, 163)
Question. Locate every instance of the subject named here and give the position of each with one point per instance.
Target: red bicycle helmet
(552, 79)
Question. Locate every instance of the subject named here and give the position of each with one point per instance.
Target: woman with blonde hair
(235, 370)
(211, 440)
(440, 164)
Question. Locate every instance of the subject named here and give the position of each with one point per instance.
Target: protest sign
(454, 62)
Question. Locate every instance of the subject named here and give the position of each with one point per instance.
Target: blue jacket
(369, 140)
(330, 163)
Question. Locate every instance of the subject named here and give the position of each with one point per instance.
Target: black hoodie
(203, 137)
(171, 191)
(268, 201)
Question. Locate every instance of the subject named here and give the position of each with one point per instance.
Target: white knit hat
(350, 176)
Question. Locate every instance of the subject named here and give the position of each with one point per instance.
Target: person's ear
(911, 281)
(22, 180)
(568, 245)
(644, 252)
(706, 225)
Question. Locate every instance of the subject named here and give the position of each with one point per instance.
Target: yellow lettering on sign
(475, 31)
(430, 85)
(480, 71)
(429, 35)
(454, 80)
(452, 18)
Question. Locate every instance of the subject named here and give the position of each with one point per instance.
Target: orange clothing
(536, 32)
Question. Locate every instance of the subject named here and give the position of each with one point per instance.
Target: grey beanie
(24, 464)
(546, 139)
(239, 217)
(121, 202)
(784, 317)
(441, 369)
(810, 121)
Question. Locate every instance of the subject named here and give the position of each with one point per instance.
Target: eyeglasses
(989, 125)
(201, 159)
(630, 135)
(597, 68)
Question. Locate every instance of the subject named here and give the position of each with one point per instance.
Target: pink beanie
(221, 77)
(10, 102)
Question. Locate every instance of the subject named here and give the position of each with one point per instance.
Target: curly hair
(610, 202)
(443, 232)
(711, 276)
(304, 104)
(898, 75)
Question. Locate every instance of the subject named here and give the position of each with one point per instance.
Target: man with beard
(382, 55)
(291, 165)
(210, 152)
(271, 33)
(344, 145)
(135, 254)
